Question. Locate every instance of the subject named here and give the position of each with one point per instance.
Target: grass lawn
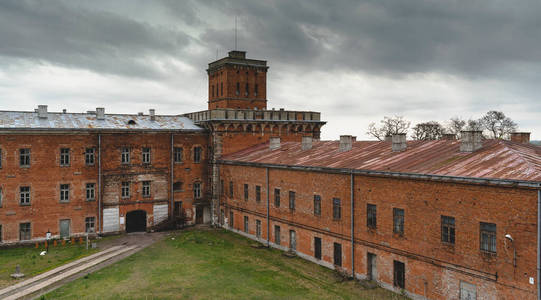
(214, 264)
(33, 264)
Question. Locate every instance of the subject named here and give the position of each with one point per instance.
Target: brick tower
(237, 82)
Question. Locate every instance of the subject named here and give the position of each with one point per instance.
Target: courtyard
(214, 264)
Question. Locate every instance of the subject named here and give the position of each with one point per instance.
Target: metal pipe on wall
(268, 206)
(352, 205)
(172, 199)
(539, 243)
(100, 225)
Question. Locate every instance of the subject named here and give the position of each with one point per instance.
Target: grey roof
(25, 120)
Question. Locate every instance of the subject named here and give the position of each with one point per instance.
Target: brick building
(447, 219)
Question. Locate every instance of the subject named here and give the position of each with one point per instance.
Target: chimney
(520, 137)
(306, 143)
(64, 111)
(42, 111)
(274, 143)
(152, 113)
(100, 113)
(399, 142)
(471, 140)
(448, 136)
(388, 138)
(346, 142)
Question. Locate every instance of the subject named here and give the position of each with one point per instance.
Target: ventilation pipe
(42, 111)
(471, 140)
(346, 142)
(274, 143)
(306, 143)
(100, 113)
(520, 137)
(399, 142)
(152, 113)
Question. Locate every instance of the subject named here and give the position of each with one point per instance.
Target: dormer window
(131, 122)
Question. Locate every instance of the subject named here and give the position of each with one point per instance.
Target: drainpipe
(539, 243)
(268, 195)
(172, 177)
(100, 226)
(352, 204)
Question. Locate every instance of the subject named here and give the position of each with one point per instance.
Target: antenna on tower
(235, 32)
(216, 53)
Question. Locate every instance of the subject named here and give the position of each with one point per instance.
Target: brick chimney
(42, 111)
(306, 143)
(274, 143)
(471, 141)
(100, 113)
(346, 142)
(152, 113)
(520, 137)
(448, 136)
(399, 142)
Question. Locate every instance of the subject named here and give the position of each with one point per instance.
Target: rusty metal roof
(497, 159)
(11, 120)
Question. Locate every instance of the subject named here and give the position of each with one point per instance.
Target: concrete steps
(49, 278)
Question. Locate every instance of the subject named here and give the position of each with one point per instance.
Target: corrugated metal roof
(88, 121)
(497, 159)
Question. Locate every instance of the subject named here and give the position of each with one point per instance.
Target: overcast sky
(355, 61)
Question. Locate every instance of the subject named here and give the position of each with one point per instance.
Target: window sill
(24, 167)
(25, 204)
(65, 166)
(63, 202)
(90, 200)
(398, 235)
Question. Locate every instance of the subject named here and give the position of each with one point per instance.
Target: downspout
(539, 243)
(172, 198)
(352, 205)
(268, 195)
(100, 225)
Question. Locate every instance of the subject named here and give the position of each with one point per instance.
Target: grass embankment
(214, 265)
(32, 263)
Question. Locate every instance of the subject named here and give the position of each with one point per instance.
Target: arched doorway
(136, 220)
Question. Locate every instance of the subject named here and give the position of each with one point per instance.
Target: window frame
(371, 216)
(317, 205)
(26, 195)
(64, 157)
(246, 192)
(180, 186)
(146, 188)
(197, 190)
(448, 230)
(27, 231)
(90, 156)
(146, 156)
(231, 194)
(25, 157)
(336, 209)
(125, 189)
(197, 154)
(398, 221)
(90, 188)
(258, 193)
(246, 224)
(491, 238)
(276, 197)
(64, 192)
(90, 221)
(178, 153)
(292, 200)
(125, 155)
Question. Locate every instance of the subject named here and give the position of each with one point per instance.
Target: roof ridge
(531, 166)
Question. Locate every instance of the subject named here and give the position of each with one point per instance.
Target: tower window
(221, 88)
(247, 90)
(213, 91)
(238, 88)
(255, 90)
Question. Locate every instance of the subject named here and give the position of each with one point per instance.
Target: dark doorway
(136, 221)
(399, 274)
(177, 212)
(317, 248)
(337, 254)
(199, 215)
(371, 266)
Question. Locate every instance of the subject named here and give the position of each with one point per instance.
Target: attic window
(131, 122)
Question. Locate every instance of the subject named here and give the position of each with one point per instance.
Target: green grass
(214, 265)
(33, 264)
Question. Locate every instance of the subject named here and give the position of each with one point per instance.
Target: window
(317, 247)
(488, 237)
(277, 197)
(245, 192)
(89, 156)
(177, 186)
(125, 155)
(0, 233)
(317, 205)
(399, 274)
(65, 157)
(146, 188)
(258, 193)
(231, 219)
(246, 90)
(24, 193)
(197, 190)
(0, 167)
(146, 155)
(371, 216)
(448, 229)
(125, 189)
(213, 91)
(177, 154)
(90, 224)
(258, 228)
(238, 89)
(336, 209)
(337, 254)
(24, 157)
(64, 193)
(398, 221)
(246, 224)
(25, 231)
(277, 234)
(255, 90)
(291, 200)
(222, 88)
(90, 191)
(231, 189)
(0, 197)
(197, 154)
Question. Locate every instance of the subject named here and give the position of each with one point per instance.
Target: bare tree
(497, 124)
(474, 125)
(456, 125)
(388, 127)
(427, 131)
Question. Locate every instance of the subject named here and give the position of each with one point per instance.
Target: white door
(111, 222)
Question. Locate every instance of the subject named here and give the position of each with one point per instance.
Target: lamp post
(48, 236)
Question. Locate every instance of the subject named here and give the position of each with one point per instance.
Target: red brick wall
(433, 269)
(229, 76)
